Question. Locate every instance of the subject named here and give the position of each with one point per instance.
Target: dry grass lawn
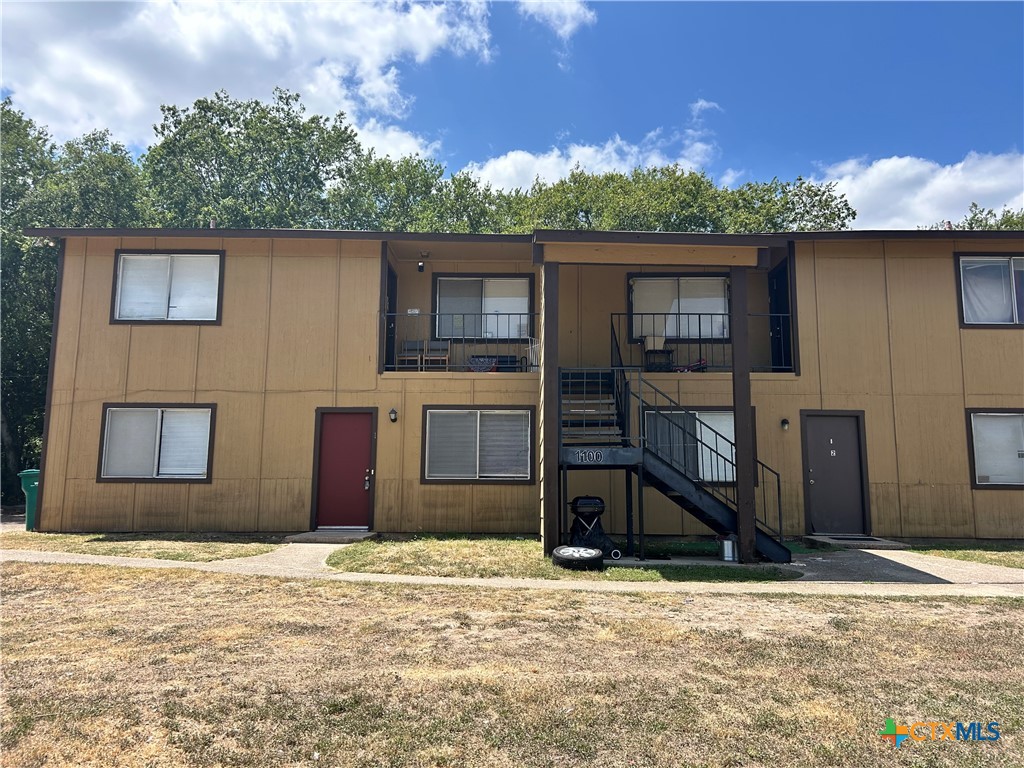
(488, 557)
(111, 667)
(1006, 553)
(192, 547)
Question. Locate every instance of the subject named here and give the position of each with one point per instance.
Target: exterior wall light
(393, 415)
(419, 266)
(784, 424)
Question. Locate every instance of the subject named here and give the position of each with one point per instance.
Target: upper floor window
(168, 287)
(156, 442)
(992, 290)
(680, 308)
(484, 307)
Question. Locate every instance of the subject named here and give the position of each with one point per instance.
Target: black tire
(578, 558)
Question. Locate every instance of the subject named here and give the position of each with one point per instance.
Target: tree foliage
(247, 164)
(978, 217)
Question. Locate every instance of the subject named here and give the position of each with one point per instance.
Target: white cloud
(692, 148)
(730, 176)
(79, 66)
(700, 106)
(563, 17)
(911, 192)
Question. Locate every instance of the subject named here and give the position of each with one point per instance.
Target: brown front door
(344, 479)
(834, 472)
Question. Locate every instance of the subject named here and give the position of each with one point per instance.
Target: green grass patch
(1006, 553)
(189, 547)
(518, 559)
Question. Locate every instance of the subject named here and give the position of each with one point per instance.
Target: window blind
(194, 283)
(184, 443)
(142, 288)
(681, 308)
(451, 445)
(505, 444)
(130, 442)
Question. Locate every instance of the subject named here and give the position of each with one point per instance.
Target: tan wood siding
(879, 332)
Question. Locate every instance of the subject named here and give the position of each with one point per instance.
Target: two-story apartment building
(284, 380)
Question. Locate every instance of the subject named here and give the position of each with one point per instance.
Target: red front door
(345, 471)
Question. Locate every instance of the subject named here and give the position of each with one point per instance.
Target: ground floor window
(156, 442)
(997, 443)
(478, 444)
(701, 443)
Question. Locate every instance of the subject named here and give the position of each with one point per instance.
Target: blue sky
(913, 109)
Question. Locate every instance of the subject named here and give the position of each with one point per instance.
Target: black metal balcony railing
(698, 342)
(500, 342)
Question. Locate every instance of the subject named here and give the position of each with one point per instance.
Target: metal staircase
(615, 418)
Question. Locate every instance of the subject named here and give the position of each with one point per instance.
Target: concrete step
(329, 536)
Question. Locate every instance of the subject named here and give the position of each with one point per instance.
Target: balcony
(495, 342)
(680, 342)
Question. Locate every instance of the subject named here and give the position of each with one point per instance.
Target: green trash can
(30, 487)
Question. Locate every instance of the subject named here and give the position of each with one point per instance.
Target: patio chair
(410, 356)
(437, 355)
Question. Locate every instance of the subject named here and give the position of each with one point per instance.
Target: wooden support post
(629, 513)
(550, 394)
(742, 413)
(640, 505)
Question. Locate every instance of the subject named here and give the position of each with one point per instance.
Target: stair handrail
(621, 392)
(765, 473)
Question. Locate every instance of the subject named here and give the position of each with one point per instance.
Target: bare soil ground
(116, 667)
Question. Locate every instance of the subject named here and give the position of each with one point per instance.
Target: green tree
(986, 218)
(671, 199)
(247, 164)
(91, 181)
(26, 158)
(384, 195)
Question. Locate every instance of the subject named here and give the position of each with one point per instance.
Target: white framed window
(992, 290)
(167, 287)
(483, 307)
(685, 308)
(997, 442)
(478, 444)
(700, 443)
(156, 442)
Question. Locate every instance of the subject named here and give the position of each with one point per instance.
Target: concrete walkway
(848, 572)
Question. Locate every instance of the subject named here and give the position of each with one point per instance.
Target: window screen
(143, 442)
(993, 290)
(998, 448)
(478, 445)
(181, 287)
(692, 308)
